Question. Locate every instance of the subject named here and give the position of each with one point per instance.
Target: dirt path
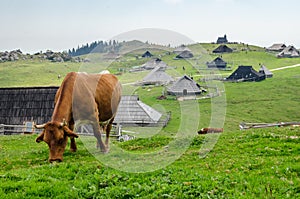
(285, 67)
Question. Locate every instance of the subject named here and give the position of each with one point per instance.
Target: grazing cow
(82, 97)
(210, 130)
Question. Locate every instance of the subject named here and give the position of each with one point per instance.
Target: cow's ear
(40, 138)
(69, 133)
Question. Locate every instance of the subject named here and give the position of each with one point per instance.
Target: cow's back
(96, 91)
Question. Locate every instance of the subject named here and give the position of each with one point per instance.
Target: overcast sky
(35, 25)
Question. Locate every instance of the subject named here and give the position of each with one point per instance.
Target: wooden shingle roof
(184, 86)
(26, 104)
(157, 76)
(132, 111)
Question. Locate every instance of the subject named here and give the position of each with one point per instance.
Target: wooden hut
(18, 105)
(181, 49)
(157, 76)
(132, 111)
(223, 49)
(222, 40)
(217, 63)
(246, 73)
(147, 54)
(276, 47)
(184, 86)
(263, 69)
(289, 52)
(150, 65)
(185, 55)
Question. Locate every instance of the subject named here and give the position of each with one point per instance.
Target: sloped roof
(184, 84)
(222, 40)
(147, 54)
(185, 54)
(180, 49)
(289, 51)
(217, 62)
(132, 111)
(277, 47)
(246, 73)
(21, 104)
(151, 64)
(222, 49)
(263, 69)
(157, 76)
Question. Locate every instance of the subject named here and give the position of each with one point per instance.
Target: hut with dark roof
(157, 76)
(147, 54)
(184, 86)
(217, 63)
(185, 55)
(222, 40)
(222, 49)
(246, 73)
(132, 112)
(18, 105)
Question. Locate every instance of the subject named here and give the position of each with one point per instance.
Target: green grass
(258, 163)
(248, 164)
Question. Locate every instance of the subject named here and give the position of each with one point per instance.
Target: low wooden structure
(23, 104)
(244, 125)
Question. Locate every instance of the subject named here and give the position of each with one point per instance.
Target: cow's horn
(39, 126)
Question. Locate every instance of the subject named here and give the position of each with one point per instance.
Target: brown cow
(210, 130)
(93, 98)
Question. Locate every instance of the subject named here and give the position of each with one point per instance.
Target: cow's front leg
(73, 147)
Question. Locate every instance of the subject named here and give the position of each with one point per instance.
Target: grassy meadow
(256, 163)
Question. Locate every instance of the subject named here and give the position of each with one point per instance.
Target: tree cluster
(96, 47)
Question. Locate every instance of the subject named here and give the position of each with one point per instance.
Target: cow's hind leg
(97, 134)
(107, 130)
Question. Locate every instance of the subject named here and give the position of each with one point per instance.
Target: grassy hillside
(258, 163)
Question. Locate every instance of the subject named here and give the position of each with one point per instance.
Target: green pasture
(256, 163)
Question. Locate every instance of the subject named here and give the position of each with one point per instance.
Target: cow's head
(55, 134)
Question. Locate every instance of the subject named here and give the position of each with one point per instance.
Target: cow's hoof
(73, 150)
(104, 151)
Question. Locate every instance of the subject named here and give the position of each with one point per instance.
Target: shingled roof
(181, 49)
(132, 111)
(217, 63)
(277, 47)
(263, 69)
(289, 52)
(157, 76)
(21, 104)
(147, 54)
(184, 86)
(185, 54)
(246, 73)
(222, 49)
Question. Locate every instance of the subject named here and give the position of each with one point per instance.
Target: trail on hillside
(285, 67)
